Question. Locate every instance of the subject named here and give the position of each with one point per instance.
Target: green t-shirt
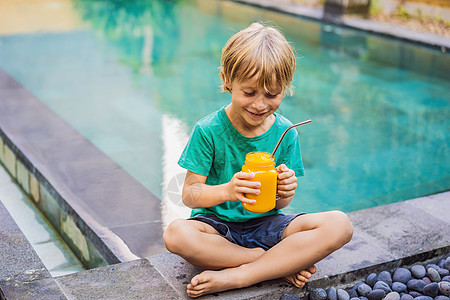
(217, 150)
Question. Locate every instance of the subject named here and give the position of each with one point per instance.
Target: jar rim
(260, 158)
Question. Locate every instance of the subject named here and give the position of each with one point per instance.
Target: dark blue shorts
(264, 232)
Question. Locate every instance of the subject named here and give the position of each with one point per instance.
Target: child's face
(253, 105)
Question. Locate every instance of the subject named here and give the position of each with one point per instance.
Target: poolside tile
(364, 251)
(403, 229)
(10, 161)
(49, 207)
(23, 177)
(17, 255)
(130, 280)
(179, 272)
(34, 188)
(2, 149)
(143, 239)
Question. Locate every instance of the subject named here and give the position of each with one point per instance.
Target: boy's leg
(202, 246)
(306, 240)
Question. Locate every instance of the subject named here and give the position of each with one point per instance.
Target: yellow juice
(263, 165)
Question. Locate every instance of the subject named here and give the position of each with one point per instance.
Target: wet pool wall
(62, 217)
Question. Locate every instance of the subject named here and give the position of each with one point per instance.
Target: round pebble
(443, 272)
(331, 293)
(290, 297)
(416, 285)
(415, 294)
(433, 274)
(441, 263)
(318, 294)
(434, 266)
(444, 287)
(392, 296)
(418, 271)
(386, 277)
(447, 263)
(431, 289)
(401, 275)
(364, 290)
(406, 297)
(352, 293)
(446, 278)
(372, 279)
(423, 298)
(427, 280)
(363, 298)
(376, 294)
(342, 295)
(354, 298)
(381, 285)
(398, 287)
(355, 287)
(440, 297)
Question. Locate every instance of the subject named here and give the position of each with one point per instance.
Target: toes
(305, 274)
(312, 269)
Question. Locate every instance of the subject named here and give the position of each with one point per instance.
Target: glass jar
(263, 165)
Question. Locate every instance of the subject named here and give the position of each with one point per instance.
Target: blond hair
(258, 50)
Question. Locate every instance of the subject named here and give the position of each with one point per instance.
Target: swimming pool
(145, 71)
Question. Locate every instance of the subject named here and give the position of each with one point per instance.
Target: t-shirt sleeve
(293, 157)
(198, 154)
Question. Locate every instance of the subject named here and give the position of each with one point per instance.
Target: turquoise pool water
(134, 76)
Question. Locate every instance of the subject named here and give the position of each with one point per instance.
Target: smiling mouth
(255, 115)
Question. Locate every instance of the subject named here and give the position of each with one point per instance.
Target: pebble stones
(444, 288)
(418, 271)
(331, 293)
(430, 282)
(401, 275)
(433, 274)
(381, 285)
(392, 296)
(385, 276)
(376, 294)
(364, 290)
(398, 287)
(431, 289)
(318, 294)
(372, 279)
(342, 295)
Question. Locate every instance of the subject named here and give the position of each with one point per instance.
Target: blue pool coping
(427, 39)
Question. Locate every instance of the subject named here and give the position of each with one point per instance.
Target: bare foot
(301, 278)
(209, 282)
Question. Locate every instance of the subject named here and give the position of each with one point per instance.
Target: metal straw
(284, 133)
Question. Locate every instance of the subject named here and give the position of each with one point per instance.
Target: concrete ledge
(386, 237)
(22, 274)
(435, 41)
(72, 182)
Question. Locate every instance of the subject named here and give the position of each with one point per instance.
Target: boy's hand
(240, 185)
(287, 181)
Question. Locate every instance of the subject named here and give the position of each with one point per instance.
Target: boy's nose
(260, 103)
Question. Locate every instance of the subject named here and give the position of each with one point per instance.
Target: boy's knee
(173, 234)
(342, 223)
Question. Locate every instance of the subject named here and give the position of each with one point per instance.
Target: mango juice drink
(263, 165)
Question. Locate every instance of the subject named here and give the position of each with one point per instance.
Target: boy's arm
(286, 185)
(197, 194)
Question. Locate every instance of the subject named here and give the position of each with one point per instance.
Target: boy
(236, 247)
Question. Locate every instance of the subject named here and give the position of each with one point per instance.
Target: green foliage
(375, 8)
(402, 12)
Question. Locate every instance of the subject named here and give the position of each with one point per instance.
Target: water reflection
(149, 70)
